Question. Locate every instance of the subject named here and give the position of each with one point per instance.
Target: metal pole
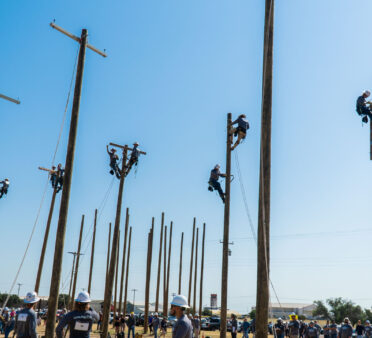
(263, 235)
(201, 275)
(116, 276)
(123, 261)
(159, 263)
(225, 252)
(45, 242)
(165, 306)
(165, 269)
(108, 251)
(127, 270)
(111, 272)
(92, 253)
(63, 211)
(196, 269)
(191, 260)
(77, 264)
(180, 272)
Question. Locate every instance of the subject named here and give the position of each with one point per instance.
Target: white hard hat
(83, 297)
(180, 301)
(31, 298)
(217, 166)
(367, 92)
(6, 309)
(136, 144)
(197, 314)
(155, 314)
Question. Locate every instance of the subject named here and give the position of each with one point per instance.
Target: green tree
(321, 310)
(63, 301)
(14, 300)
(207, 312)
(252, 314)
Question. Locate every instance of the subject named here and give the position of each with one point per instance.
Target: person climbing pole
(114, 158)
(53, 176)
(60, 175)
(213, 181)
(133, 160)
(363, 107)
(241, 130)
(4, 187)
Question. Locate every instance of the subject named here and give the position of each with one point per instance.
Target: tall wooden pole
(226, 229)
(92, 253)
(263, 238)
(127, 271)
(72, 275)
(165, 306)
(159, 264)
(191, 260)
(180, 271)
(116, 276)
(148, 277)
(165, 269)
(370, 138)
(77, 264)
(201, 275)
(108, 251)
(110, 276)
(45, 242)
(63, 211)
(123, 262)
(196, 269)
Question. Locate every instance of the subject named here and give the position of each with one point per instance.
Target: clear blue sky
(174, 70)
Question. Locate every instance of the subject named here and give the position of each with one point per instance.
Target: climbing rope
(45, 188)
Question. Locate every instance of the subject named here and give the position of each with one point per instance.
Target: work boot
(365, 119)
(210, 188)
(111, 172)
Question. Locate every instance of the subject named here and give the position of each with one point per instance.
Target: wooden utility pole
(92, 253)
(123, 261)
(69, 163)
(196, 270)
(165, 306)
(263, 236)
(165, 270)
(46, 236)
(225, 252)
(159, 264)
(108, 251)
(180, 272)
(191, 260)
(77, 264)
(72, 274)
(127, 271)
(201, 275)
(116, 276)
(2, 96)
(148, 276)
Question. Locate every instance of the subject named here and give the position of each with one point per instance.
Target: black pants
(217, 186)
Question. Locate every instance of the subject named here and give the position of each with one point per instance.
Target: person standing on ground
(293, 326)
(368, 329)
(326, 330)
(163, 327)
(131, 323)
(245, 328)
(234, 326)
(80, 319)
(155, 324)
(196, 325)
(279, 328)
(346, 330)
(311, 331)
(333, 331)
(359, 329)
(25, 323)
(183, 327)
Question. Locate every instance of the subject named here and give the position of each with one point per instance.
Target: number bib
(22, 317)
(79, 326)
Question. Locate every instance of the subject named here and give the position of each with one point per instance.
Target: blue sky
(174, 69)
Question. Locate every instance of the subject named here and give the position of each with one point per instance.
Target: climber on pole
(363, 107)
(133, 160)
(241, 130)
(114, 158)
(60, 174)
(213, 181)
(53, 176)
(4, 187)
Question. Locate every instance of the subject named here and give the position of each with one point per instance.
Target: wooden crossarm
(123, 147)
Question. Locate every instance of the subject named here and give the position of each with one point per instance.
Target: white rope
(45, 190)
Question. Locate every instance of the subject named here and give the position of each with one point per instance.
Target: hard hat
(155, 314)
(197, 314)
(113, 150)
(135, 144)
(367, 92)
(367, 321)
(279, 319)
(6, 309)
(6, 180)
(31, 298)
(217, 166)
(83, 297)
(132, 313)
(180, 301)
(242, 115)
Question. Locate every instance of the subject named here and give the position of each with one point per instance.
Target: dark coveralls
(279, 329)
(240, 130)
(79, 322)
(234, 328)
(4, 188)
(368, 330)
(213, 181)
(346, 331)
(133, 160)
(362, 108)
(311, 331)
(59, 183)
(25, 326)
(114, 164)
